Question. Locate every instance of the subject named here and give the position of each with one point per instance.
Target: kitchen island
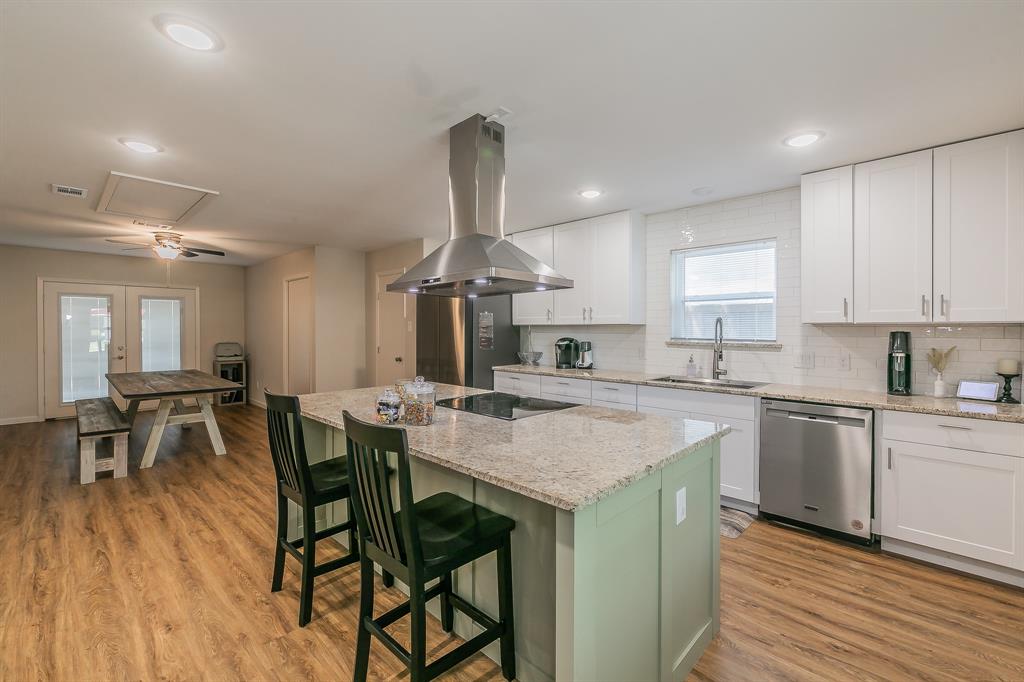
(615, 551)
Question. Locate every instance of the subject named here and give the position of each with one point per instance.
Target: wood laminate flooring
(166, 575)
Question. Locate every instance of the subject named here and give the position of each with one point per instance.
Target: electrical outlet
(680, 505)
(805, 360)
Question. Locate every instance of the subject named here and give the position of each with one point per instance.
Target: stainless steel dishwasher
(815, 466)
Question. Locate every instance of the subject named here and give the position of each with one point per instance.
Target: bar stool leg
(282, 536)
(365, 611)
(447, 610)
(508, 638)
(417, 634)
(308, 563)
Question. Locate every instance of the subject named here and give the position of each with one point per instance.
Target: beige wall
(338, 318)
(399, 257)
(221, 308)
(264, 318)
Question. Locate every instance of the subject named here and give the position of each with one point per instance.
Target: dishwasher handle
(814, 418)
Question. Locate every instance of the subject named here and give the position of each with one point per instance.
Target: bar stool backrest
(368, 445)
(287, 446)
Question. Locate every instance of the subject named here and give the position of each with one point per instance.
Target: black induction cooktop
(503, 405)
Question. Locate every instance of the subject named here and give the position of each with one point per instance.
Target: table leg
(211, 425)
(133, 409)
(156, 433)
(179, 408)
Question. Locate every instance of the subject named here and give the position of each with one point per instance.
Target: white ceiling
(325, 123)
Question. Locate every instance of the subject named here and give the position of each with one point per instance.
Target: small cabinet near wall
(979, 230)
(826, 246)
(892, 238)
(606, 259)
(537, 307)
(955, 485)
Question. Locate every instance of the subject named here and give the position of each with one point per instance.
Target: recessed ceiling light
(803, 139)
(188, 33)
(703, 191)
(590, 193)
(140, 146)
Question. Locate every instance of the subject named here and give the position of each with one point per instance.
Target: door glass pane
(161, 334)
(84, 338)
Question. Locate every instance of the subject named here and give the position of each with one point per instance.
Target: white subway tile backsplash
(764, 216)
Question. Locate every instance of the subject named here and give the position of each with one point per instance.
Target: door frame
(284, 330)
(377, 292)
(41, 328)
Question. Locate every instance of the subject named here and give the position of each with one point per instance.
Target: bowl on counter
(530, 358)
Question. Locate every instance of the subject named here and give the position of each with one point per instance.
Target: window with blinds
(734, 281)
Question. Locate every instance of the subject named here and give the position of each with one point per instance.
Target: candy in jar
(388, 404)
(419, 402)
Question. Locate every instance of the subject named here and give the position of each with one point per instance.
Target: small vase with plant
(939, 359)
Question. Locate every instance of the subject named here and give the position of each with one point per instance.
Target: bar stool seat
(454, 531)
(330, 476)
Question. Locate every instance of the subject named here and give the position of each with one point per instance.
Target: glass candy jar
(389, 405)
(419, 402)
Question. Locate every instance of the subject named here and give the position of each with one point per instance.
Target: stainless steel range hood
(477, 260)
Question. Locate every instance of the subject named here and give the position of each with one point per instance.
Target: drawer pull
(562, 383)
(609, 388)
(957, 428)
(890, 458)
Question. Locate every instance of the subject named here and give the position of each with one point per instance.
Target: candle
(1008, 366)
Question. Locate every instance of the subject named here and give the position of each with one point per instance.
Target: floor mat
(734, 522)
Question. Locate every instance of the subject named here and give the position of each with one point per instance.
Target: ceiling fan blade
(188, 253)
(130, 243)
(208, 252)
(138, 248)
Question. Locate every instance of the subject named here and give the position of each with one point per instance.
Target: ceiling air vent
(69, 191)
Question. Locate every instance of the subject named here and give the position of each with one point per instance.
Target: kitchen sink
(693, 381)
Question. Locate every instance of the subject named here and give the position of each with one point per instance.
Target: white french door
(92, 329)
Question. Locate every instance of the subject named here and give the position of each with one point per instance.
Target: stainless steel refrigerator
(459, 340)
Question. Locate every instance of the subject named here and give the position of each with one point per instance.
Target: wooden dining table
(171, 387)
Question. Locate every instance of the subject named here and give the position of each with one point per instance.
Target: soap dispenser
(691, 368)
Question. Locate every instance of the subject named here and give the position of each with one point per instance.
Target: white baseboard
(742, 505)
(253, 400)
(957, 563)
(5, 421)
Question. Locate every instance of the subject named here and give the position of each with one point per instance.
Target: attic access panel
(166, 203)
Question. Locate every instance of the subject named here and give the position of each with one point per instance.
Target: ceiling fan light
(166, 252)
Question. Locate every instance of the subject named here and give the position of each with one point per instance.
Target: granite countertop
(568, 459)
(950, 407)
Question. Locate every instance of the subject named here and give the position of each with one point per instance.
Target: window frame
(676, 298)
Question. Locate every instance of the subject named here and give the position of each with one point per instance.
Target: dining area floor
(166, 574)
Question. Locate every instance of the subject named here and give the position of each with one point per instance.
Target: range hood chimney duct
(477, 260)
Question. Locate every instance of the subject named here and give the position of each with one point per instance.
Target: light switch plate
(680, 505)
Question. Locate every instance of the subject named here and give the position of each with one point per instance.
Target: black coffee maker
(899, 363)
(567, 352)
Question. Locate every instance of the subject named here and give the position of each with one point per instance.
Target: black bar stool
(308, 486)
(424, 541)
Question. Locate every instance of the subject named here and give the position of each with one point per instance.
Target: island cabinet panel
(517, 384)
(642, 565)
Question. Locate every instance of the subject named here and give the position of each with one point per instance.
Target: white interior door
(298, 374)
(392, 362)
(83, 339)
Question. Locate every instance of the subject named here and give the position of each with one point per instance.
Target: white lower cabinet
(739, 452)
(938, 494)
(527, 385)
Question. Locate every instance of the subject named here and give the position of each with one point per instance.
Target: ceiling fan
(167, 245)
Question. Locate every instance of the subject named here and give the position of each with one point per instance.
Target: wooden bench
(100, 418)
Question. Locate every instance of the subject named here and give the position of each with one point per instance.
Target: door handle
(942, 304)
(846, 309)
(119, 357)
(924, 312)
(398, 359)
(890, 458)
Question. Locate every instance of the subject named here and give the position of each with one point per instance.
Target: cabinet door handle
(957, 428)
(846, 309)
(924, 312)
(942, 304)
(890, 458)
(549, 314)
(584, 313)
(590, 311)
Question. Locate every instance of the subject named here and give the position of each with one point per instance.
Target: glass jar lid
(419, 387)
(389, 396)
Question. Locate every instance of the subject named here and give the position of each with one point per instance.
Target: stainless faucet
(716, 355)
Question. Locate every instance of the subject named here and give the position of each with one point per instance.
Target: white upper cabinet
(606, 259)
(979, 230)
(573, 260)
(538, 307)
(826, 246)
(892, 236)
